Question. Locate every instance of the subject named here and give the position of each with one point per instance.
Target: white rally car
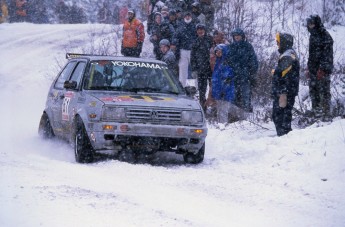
(125, 106)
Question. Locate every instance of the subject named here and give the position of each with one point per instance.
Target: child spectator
(223, 86)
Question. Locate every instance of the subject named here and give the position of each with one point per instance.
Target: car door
(57, 94)
(71, 97)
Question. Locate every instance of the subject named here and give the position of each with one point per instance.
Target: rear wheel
(82, 147)
(45, 129)
(195, 158)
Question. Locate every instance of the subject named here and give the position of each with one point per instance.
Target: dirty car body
(123, 106)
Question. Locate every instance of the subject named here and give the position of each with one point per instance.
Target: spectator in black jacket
(173, 19)
(285, 84)
(200, 61)
(182, 43)
(160, 30)
(320, 66)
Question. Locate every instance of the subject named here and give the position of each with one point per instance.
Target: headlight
(192, 117)
(113, 113)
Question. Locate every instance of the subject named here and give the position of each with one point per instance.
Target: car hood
(147, 100)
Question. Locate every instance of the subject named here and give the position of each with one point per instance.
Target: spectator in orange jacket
(133, 36)
(3, 11)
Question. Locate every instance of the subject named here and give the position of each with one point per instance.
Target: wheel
(45, 129)
(195, 158)
(82, 147)
(127, 156)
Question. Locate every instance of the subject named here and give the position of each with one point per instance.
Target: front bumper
(146, 137)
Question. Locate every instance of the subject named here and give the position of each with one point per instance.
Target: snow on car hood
(147, 100)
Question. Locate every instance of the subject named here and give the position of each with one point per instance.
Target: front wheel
(45, 129)
(195, 158)
(82, 147)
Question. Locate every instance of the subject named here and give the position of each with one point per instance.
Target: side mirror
(190, 90)
(70, 84)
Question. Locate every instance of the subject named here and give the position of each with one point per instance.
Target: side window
(78, 72)
(64, 75)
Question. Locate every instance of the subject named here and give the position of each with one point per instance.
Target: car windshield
(131, 76)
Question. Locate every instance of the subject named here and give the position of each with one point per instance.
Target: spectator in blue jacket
(242, 59)
(223, 85)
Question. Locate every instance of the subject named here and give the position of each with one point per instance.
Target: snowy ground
(249, 177)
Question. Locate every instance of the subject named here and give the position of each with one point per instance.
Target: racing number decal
(65, 104)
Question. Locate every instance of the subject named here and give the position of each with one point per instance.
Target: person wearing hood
(197, 14)
(320, 66)
(243, 61)
(161, 29)
(285, 84)
(223, 85)
(133, 36)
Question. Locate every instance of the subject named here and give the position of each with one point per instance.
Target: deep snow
(249, 176)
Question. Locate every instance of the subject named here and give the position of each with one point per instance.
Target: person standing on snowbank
(320, 66)
(285, 84)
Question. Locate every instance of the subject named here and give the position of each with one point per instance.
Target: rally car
(123, 106)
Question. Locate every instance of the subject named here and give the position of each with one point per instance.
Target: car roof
(91, 57)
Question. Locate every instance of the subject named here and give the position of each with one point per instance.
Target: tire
(45, 129)
(128, 156)
(197, 158)
(83, 150)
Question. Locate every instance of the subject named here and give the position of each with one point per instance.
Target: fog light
(198, 131)
(108, 127)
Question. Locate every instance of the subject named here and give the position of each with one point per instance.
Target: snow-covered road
(249, 176)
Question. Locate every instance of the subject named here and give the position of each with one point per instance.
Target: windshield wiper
(100, 88)
(143, 89)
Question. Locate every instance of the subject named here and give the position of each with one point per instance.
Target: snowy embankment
(249, 177)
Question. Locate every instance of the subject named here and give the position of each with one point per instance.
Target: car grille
(153, 115)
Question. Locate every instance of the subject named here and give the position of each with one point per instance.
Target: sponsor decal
(131, 98)
(138, 64)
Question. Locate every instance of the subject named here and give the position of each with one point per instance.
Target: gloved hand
(194, 74)
(282, 100)
(227, 81)
(320, 74)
